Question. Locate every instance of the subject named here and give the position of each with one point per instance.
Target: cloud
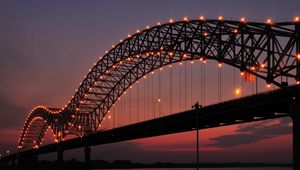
(11, 114)
(253, 132)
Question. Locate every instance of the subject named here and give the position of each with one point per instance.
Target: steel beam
(87, 157)
(295, 115)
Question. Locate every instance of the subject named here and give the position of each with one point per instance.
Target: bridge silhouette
(269, 51)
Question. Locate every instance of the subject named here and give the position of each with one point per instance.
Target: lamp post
(156, 101)
(197, 108)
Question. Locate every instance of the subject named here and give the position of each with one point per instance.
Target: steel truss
(268, 51)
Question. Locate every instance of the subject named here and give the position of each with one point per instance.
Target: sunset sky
(46, 48)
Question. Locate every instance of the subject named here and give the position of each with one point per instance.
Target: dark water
(212, 169)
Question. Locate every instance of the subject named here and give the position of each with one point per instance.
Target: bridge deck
(257, 107)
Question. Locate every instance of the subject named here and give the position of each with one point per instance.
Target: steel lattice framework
(270, 51)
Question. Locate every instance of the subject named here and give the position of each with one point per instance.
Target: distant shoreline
(126, 164)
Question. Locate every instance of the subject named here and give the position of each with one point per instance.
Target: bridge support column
(60, 158)
(87, 157)
(295, 115)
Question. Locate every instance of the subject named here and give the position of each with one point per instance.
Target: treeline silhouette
(74, 164)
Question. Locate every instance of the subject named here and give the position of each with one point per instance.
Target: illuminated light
(298, 56)
(137, 31)
(128, 35)
(109, 116)
(137, 81)
(131, 87)
(171, 53)
(161, 48)
(113, 46)
(158, 53)
(72, 116)
(204, 61)
(298, 82)
(147, 54)
(202, 18)
(114, 66)
(147, 27)
(170, 65)
(7, 151)
(243, 19)
(297, 19)
(192, 62)
(145, 77)
(121, 40)
(100, 58)
(220, 18)
(161, 69)
(262, 65)
(137, 56)
(171, 20)
(106, 52)
(79, 127)
(237, 91)
(242, 73)
(253, 68)
(158, 100)
(152, 72)
(119, 98)
(129, 59)
(185, 19)
(101, 77)
(107, 71)
(184, 55)
(180, 63)
(269, 21)
(235, 30)
(205, 34)
(219, 65)
(268, 85)
(158, 23)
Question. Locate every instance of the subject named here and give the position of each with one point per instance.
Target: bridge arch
(267, 51)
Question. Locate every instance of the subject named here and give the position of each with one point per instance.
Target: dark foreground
(125, 164)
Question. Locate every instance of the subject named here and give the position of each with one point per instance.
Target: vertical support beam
(295, 115)
(87, 157)
(60, 157)
(269, 54)
(297, 32)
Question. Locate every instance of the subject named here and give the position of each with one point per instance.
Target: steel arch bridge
(270, 51)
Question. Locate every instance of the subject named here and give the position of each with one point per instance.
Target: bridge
(267, 51)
